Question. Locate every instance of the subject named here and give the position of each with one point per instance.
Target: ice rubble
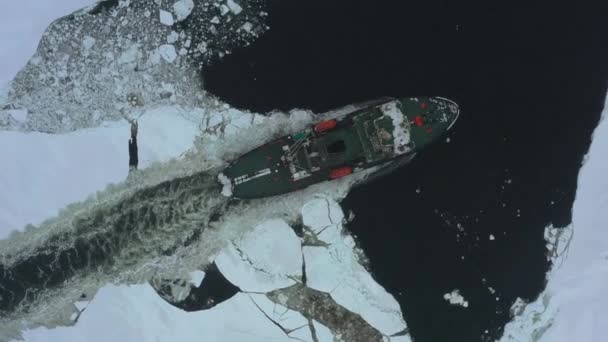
(20, 36)
(573, 305)
(332, 268)
(455, 298)
(90, 61)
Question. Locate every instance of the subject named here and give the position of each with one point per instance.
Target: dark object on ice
(133, 159)
(383, 132)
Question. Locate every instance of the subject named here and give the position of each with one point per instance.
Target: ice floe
(265, 259)
(573, 305)
(50, 171)
(336, 270)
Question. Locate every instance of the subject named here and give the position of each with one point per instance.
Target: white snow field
(46, 172)
(22, 23)
(574, 305)
(137, 313)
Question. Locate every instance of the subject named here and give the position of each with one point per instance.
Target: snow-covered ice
(574, 305)
(49, 171)
(265, 259)
(20, 36)
(137, 313)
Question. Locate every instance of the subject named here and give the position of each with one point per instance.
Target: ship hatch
(337, 146)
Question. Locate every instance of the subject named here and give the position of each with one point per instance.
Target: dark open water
(530, 78)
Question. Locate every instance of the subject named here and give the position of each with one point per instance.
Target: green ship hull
(383, 132)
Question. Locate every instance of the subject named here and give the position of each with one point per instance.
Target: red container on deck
(325, 126)
(340, 172)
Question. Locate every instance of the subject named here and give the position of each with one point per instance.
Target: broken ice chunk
(88, 42)
(455, 298)
(182, 9)
(227, 185)
(234, 7)
(247, 27)
(172, 37)
(167, 52)
(166, 18)
(196, 278)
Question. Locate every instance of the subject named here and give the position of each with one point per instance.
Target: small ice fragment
(172, 37)
(247, 27)
(234, 7)
(202, 47)
(215, 20)
(88, 42)
(227, 184)
(492, 237)
(182, 9)
(167, 52)
(166, 18)
(455, 298)
(196, 278)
